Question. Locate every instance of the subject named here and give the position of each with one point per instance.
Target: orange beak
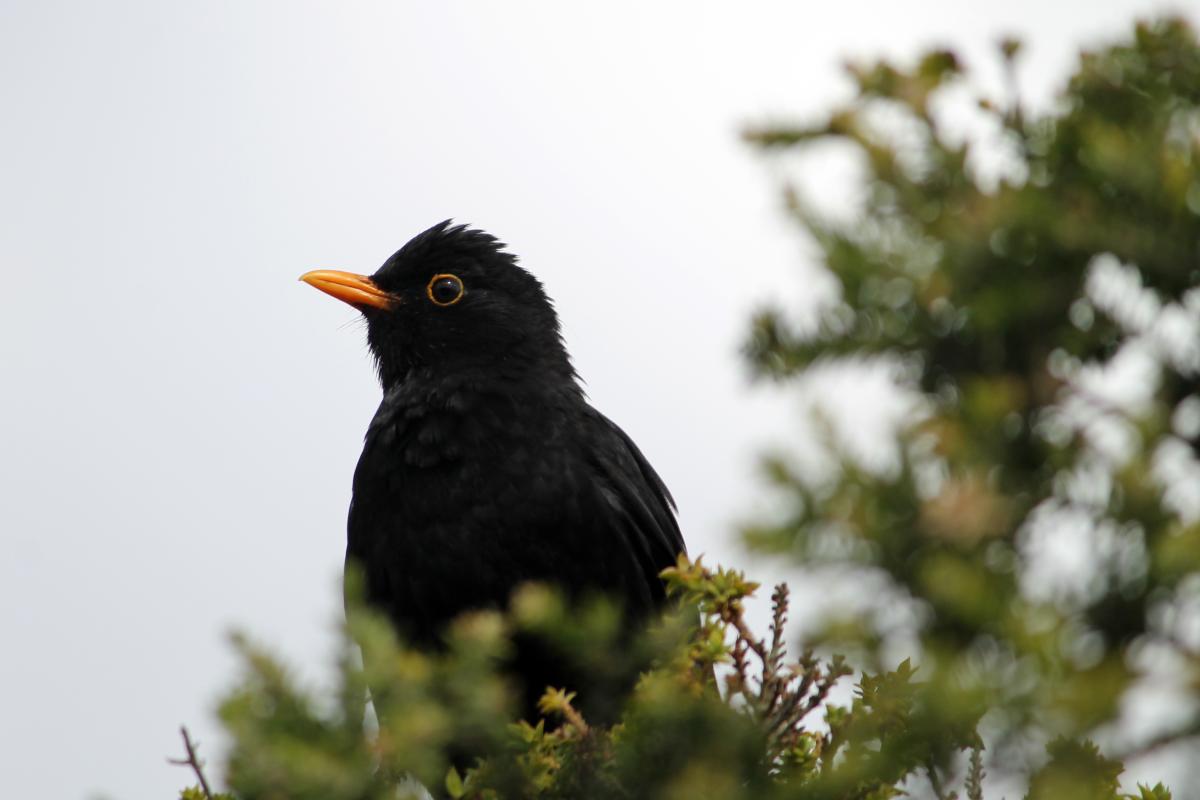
(357, 290)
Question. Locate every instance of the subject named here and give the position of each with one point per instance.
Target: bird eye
(445, 289)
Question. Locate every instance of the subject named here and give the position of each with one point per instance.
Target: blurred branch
(975, 774)
(193, 761)
(935, 782)
(1161, 740)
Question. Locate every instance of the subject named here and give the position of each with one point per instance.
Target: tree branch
(193, 761)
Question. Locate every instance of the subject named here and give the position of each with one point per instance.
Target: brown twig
(779, 610)
(976, 774)
(192, 761)
(824, 685)
(741, 669)
(775, 677)
(757, 645)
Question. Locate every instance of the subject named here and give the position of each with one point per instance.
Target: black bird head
(453, 300)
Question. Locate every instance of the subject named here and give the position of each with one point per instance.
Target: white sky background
(179, 418)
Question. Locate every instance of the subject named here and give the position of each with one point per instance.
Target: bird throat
(433, 418)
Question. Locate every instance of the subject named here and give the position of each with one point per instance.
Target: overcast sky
(179, 418)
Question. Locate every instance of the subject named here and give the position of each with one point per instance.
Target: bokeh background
(179, 418)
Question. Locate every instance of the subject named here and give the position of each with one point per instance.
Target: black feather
(485, 466)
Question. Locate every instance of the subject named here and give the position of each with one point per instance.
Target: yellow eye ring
(445, 289)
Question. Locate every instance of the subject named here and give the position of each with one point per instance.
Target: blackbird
(485, 467)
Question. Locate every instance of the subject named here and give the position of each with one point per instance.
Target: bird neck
(518, 370)
(436, 416)
(511, 377)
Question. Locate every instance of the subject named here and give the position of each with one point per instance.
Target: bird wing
(636, 501)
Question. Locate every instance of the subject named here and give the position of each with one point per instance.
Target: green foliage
(198, 793)
(1009, 306)
(1006, 300)
(678, 737)
(1075, 770)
